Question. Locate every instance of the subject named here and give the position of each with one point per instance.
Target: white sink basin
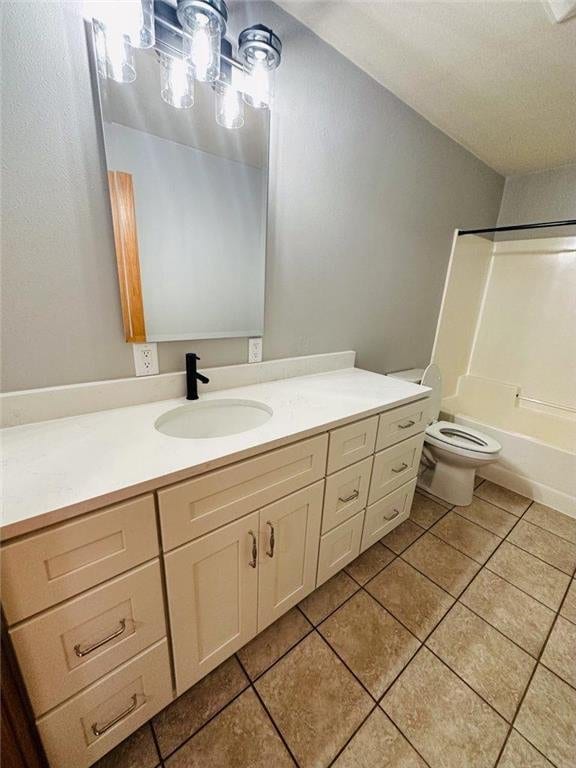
(213, 418)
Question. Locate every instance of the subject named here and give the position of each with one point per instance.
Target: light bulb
(114, 55)
(260, 82)
(229, 107)
(202, 45)
(176, 82)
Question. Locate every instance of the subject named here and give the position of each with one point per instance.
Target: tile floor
(450, 644)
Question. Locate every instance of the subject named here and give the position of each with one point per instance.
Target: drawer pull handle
(407, 425)
(353, 495)
(401, 468)
(252, 562)
(270, 551)
(79, 651)
(99, 731)
(393, 515)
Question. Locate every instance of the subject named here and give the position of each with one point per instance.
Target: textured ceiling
(499, 77)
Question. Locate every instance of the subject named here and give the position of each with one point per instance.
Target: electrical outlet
(145, 359)
(254, 350)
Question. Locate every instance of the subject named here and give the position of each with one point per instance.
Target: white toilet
(452, 452)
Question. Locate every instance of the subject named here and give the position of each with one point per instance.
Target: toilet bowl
(452, 452)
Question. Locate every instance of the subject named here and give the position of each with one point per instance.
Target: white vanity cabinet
(225, 587)
(221, 555)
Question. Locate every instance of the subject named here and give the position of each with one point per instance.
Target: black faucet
(192, 376)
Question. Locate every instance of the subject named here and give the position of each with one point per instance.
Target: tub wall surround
(505, 362)
(384, 190)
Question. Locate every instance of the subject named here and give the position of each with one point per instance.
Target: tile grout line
(478, 572)
(268, 713)
(527, 688)
(172, 752)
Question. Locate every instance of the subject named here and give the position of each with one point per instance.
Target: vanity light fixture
(188, 36)
(261, 52)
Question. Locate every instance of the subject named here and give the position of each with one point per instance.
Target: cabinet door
(289, 539)
(212, 597)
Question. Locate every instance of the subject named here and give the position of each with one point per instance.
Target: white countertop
(54, 470)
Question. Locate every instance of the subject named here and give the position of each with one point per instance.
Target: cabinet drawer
(352, 443)
(198, 506)
(339, 547)
(395, 466)
(47, 568)
(66, 649)
(82, 730)
(387, 513)
(346, 493)
(402, 423)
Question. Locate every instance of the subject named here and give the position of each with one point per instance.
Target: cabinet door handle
(99, 730)
(393, 515)
(407, 425)
(353, 495)
(79, 651)
(401, 468)
(252, 562)
(272, 541)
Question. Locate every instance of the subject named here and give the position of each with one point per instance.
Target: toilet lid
(463, 437)
(433, 378)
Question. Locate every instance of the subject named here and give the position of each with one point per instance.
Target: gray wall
(545, 196)
(364, 198)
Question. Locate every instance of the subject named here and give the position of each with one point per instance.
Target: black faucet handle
(192, 355)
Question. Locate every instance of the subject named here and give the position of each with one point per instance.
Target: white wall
(201, 236)
(364, 198)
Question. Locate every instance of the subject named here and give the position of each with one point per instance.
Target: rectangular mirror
(189, 205)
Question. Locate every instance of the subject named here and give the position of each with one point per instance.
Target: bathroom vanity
(114, 609)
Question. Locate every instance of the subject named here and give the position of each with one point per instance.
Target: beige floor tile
(478, 481)
(328, 597)
(240, 736)
(314, 700)
(402, 536)
(370, 563)
(450, 569)
(519, 753)
(273, 642)
(568, 609)
(560, 652)
(370, 641)
(553, 521)
(379, 744)
(502, 497)
(511, 611)
(442, 502)
(542, 581)
(545, 545)
(409, 596)
(137, 751)
(442, 717)
(492, 665)
(547, 720)
(425, 512)
(190, 711)
(467, 537)
(488, 516)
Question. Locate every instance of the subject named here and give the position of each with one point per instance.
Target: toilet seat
(449, 434)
